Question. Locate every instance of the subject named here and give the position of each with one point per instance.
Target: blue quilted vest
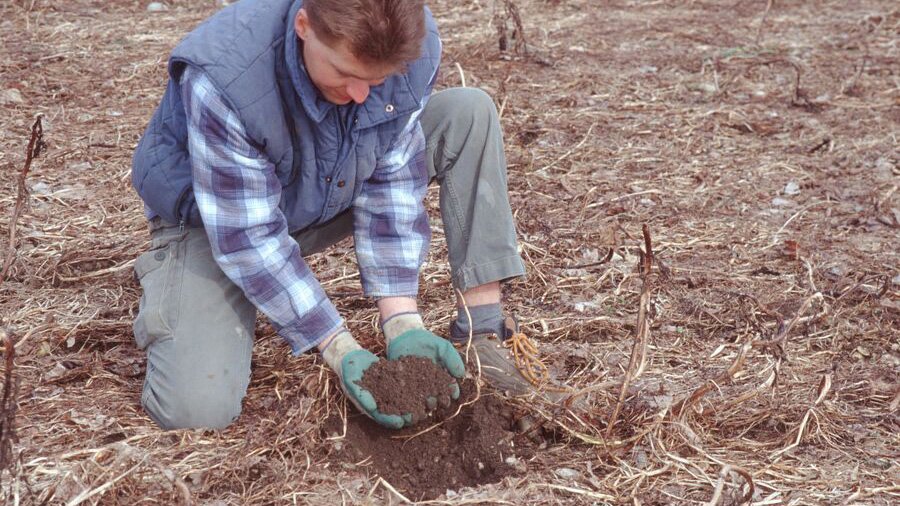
(251, 54)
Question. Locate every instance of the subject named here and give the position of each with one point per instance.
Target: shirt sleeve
(237, 193)
(391, 232)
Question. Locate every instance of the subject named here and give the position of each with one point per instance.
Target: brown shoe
(509, 363)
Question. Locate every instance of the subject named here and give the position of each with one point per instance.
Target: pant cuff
(467, 277)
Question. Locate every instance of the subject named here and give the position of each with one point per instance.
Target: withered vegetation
(757, 140)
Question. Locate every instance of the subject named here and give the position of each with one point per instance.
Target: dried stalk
(35, 146)
(762, 22)
(639, 351)
(9, 397)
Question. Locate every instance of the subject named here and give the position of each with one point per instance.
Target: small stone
(792, 188)
(78, 166)
(566, 473)
(640, 458)
(41, 188)
(157, 7)
(708, 88)
(57, 371)
(11, 96)
(648, 69)
(780, 202)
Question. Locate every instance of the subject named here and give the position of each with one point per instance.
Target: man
(286, 126)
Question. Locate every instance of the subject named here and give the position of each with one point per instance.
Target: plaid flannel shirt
(238, 195)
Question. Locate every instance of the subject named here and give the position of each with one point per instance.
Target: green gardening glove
(350, 361)
(406, 335)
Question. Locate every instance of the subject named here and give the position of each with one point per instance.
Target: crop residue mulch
(758, 140)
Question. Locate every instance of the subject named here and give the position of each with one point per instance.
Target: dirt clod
(404, 386)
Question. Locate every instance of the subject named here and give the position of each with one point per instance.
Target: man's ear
(301, 24)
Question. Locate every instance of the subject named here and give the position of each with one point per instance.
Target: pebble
(157, 7)
(11, 96)
(780, 202)
(566, 473)
(41, 188)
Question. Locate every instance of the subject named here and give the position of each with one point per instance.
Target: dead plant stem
(642, 335)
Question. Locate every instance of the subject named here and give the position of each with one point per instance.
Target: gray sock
(487, 317)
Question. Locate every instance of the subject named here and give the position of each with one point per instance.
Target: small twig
(35, 146)
(850, 85)
(639, 351)
(569, 152)
(8, 401)
(762, 22)
(382, 481)
(87, 494)
(462, 75)
(8, 405)
(720, 485)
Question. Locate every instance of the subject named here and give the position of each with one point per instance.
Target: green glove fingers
(454, 390)
(422, 343)
(353, 366)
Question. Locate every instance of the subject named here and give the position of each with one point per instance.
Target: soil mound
(404, 385)
(473, 448)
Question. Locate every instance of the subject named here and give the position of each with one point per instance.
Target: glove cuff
(400, 323)
(335, 351)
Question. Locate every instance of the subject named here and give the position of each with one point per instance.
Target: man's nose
(358, 90)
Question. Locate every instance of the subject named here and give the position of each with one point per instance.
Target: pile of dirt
(404, 386)
(473, 448)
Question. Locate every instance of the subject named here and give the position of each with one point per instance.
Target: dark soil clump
(474, 448)
(404, 385)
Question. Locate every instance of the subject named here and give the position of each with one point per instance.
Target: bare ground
(761, 148)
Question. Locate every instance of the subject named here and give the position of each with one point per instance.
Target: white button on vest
(389, 108)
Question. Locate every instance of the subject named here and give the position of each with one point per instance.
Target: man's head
(352, 45)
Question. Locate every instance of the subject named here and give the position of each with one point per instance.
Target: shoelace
(527, 360)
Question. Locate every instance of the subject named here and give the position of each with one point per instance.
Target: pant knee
(472, 105)
(192, 410)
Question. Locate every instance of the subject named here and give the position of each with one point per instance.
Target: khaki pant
(197, 326)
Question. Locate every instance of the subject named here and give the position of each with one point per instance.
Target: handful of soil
(404, 386)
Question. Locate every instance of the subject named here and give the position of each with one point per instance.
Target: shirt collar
(316, 107)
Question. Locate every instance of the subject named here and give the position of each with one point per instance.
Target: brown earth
(757, 140)
(474, 447)
(403, 386)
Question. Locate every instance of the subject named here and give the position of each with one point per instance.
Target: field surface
(757, 141)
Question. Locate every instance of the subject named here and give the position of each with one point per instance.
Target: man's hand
(406, 336)
(350, 361)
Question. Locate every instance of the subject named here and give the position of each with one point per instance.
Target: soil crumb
(474, 448)
(404, 385)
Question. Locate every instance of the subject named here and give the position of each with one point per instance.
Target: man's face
(339, 76)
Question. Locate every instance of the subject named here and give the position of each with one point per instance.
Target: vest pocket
(160, 272)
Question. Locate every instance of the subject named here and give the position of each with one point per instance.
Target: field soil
(473, 444)
(756, 141)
